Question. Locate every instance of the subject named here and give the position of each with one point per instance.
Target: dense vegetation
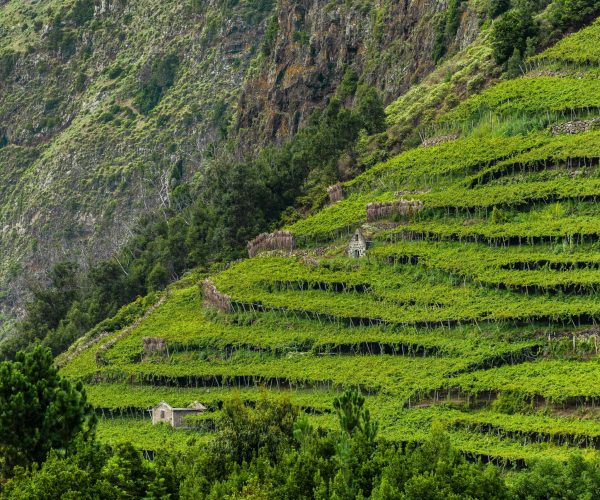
(271, 451)
(469, 330)
(207, 223)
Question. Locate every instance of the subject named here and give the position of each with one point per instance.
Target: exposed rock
(389, 44)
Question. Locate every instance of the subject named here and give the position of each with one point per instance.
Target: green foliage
(348, 85)
(581, 47)
(40, 411)
(511, 32)
(94, 472)
(156, 77)
(369, 107)
(446, 28)
(62, 39)
(512, 403)
(514, 64)
(547, 479)
(497, 7)
(353, 417)
(268, 43)
(243, 433)
(573, 14)
(8, 59)
(81, 12)
(531, 95)
(301, 37)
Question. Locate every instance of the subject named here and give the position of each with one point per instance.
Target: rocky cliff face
(100, 103)
(389, 45)
(104, 102)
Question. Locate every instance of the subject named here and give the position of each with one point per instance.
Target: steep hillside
(102, 105)
(108, 105)
(476, 304)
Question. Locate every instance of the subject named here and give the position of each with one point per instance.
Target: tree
(369, 109)
(270, 37)
(39, 410)
(243, 432)
(156, 78)
(512, 31)
(497, 7)
(352, 415)
(513, 66)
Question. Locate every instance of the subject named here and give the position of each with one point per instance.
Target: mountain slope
(476, 304)
(107, 106)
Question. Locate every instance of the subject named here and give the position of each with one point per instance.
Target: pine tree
(39, 410)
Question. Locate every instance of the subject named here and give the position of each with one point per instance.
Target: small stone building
(358, 245)
(175, 417)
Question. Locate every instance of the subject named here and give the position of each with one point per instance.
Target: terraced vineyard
(479, 310)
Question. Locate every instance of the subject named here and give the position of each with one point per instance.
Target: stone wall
(215, 299)
(162, 413)
(440, 139)
(336, 193)
(154, 345)
(403, 208)
(279, 240)
(575, 126)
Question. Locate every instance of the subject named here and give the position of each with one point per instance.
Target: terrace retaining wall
(215, 299)
(575, 126)
(336, 193)
(404, 208)
(279, 240)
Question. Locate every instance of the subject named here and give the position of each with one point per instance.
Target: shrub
(82, 12)
(7, 64)
(498, 7)
(155, 79)
(270, 36)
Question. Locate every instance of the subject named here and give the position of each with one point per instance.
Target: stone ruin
(335, 192)
(215, 299)
(440, 139)
(383, 210)
(154, 345)
(279, 240)
(575, 127)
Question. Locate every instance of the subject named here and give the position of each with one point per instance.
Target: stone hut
(164, 413)
(358, 245)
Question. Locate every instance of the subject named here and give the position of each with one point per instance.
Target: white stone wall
(162, 413)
